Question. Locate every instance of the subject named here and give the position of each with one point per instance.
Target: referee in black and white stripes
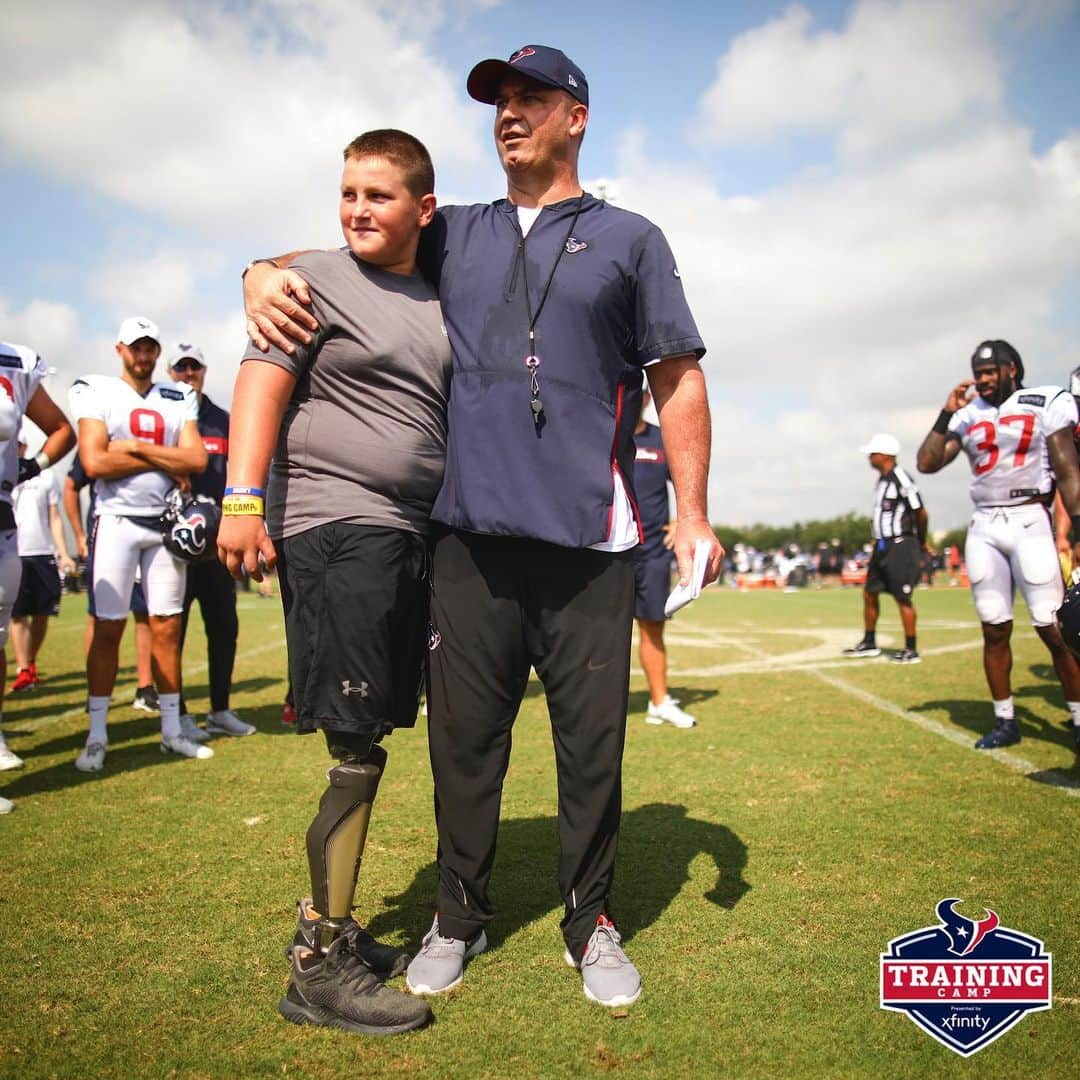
(899, 526)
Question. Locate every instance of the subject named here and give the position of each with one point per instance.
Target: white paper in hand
(681, 595)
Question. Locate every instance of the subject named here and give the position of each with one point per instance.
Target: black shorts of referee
(501, 606)
(894, 567)
(39, 589)
(356, 626)
(652, 584)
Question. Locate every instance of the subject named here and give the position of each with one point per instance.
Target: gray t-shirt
(364, 435)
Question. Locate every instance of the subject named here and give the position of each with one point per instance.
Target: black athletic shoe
(340, 990)
(146, 700)
(905, 656)
(386, 961)
(1006, 733)
(863, 649)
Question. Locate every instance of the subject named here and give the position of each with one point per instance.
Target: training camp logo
(965, 982)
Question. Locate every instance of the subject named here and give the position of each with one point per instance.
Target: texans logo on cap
(522, 53)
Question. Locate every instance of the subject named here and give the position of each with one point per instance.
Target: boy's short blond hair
(404, 150)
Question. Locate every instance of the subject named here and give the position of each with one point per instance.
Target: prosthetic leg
(336, 838)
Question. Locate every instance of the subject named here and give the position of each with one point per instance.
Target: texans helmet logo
(522, 53)
(964, 933)
(190, 535)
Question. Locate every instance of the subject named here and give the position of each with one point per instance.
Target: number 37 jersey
(157, 418)
(1007, 444)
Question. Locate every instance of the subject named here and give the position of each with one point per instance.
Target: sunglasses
(187, 364)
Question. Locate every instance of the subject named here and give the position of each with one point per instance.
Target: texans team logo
(522, 53)
(573, 246)
(190, 535)
(965, 981)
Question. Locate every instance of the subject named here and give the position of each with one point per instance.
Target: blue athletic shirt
(615, 304)
(213, 424)
(650, 484)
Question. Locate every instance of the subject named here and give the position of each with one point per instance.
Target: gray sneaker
(191, 730)
(340, 990)
(608, 976)
(439, 964)
(227, 722)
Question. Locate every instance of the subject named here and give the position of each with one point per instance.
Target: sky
(856, 193)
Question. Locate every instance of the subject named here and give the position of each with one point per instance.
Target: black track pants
(499, 607)
(213, 586)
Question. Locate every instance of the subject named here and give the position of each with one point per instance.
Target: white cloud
(227, 121)
(848, 300)
(896, 68)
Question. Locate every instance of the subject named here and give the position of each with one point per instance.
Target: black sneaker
(340, 990)
(1006, 733)
(386, 961)
(863, 649)
(146, 700)
(905, 656)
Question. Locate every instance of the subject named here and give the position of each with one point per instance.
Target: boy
(358, 416)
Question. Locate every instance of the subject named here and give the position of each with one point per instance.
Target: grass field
(820, 808)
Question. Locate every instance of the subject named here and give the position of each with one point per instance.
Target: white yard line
(807, 661)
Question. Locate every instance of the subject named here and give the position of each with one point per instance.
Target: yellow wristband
(242, 506)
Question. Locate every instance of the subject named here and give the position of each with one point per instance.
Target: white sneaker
(668, 712)
(227, 722)
(190, 730)
(180, 744)
(92, 758)
(8, 760)
(6, 805)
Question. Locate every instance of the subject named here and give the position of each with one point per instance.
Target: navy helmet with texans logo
(189, 527)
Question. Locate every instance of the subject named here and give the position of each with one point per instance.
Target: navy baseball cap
(540, 62)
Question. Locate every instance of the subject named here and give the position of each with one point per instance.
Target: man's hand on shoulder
(274, 306)
(687, 534)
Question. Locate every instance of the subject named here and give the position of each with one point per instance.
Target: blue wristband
(258, 492)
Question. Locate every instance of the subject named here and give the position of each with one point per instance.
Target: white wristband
(43, 460)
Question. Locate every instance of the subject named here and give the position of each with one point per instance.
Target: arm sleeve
(663, 325)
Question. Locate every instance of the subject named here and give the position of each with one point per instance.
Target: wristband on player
(1075, 519)
(258, 492)
(941, 424)
(43, 459)
(242, 506)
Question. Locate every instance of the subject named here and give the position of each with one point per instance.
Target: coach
(554, 303)
(899, 525)
(207, 580)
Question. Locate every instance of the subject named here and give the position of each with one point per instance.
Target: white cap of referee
(881, 443)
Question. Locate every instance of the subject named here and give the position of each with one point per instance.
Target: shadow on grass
(684, 695)
(657, 844)
(978, 716)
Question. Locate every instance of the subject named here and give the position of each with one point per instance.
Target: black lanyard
(532, 361)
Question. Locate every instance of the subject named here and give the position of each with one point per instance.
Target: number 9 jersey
(157, 418)
(1007, 444)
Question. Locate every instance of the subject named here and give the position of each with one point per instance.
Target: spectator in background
(652, 569)
(41, 540)
(146, 698)
(208, 581)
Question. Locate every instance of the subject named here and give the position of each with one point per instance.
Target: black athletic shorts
(652, 584)
(39, 590)
(894, 567)
(356, 625)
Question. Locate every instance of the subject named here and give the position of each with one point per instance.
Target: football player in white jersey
(1019, 441)
(137, 440)
(21, 393)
